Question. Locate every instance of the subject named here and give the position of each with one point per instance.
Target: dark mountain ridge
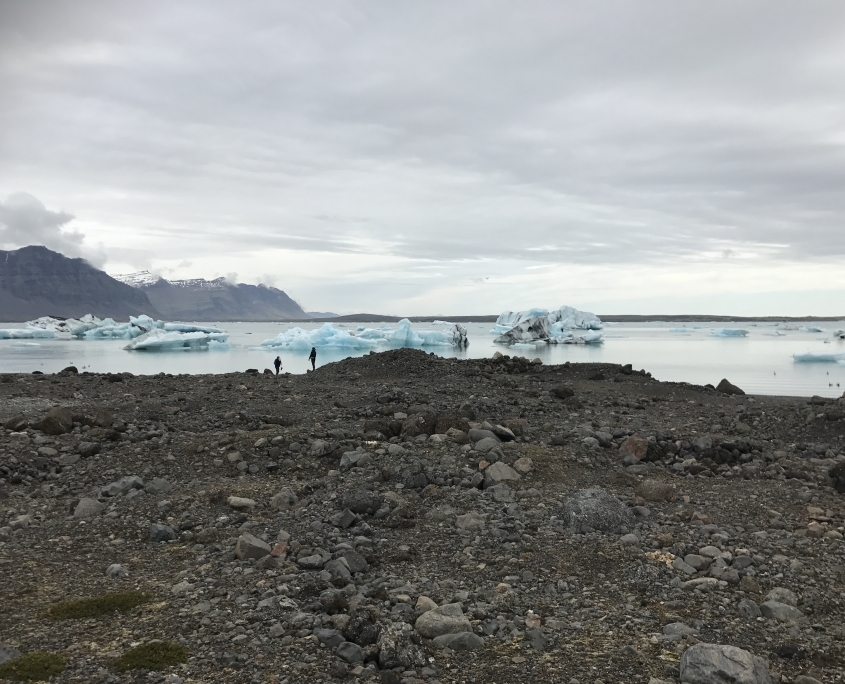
(35, 281)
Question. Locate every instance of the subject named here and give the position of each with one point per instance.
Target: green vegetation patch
(154, 655)
(98, 605)
(37, 666)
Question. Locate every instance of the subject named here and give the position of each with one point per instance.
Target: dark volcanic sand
(756, 495)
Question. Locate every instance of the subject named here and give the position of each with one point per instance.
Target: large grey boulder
(717, 664)
(448, 619)
(596, 509)
(477, 434)
(782, 612)
(250, 546)
(500, 472)
(8, 653)
(87, 508)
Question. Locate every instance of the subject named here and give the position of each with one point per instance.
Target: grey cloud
(24, 220)
(561, 133)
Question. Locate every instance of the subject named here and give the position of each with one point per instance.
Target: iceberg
(552, 327)
(813, 357)
(678, 330)
(811, 328)
(840, 334)
(173, 340)
(26, 334)
(328, 336)
(729, 332)
(406, 336)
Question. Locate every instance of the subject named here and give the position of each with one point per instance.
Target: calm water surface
(760, 363)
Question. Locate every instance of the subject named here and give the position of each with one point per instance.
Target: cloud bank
(433, 157)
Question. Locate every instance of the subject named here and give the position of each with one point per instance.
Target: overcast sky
(438, 157)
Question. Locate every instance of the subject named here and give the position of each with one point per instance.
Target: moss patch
(97, 605)
(37, 666)
(154, 655)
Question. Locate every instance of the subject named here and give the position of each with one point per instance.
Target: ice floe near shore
(328, 336)
(551, 327)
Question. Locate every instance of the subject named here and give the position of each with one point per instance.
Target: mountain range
(36, 281)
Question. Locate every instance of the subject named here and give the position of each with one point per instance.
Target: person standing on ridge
(278, 364)
(313, 357)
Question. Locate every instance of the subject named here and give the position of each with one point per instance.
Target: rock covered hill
(406, 518)
(35, 281)
(215, 300)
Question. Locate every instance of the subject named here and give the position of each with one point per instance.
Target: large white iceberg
(813, 357)
(329, 337)
(29, 333)
(552, 327)
(173, 340)
(729, 332)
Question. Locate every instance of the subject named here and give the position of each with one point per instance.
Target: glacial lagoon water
(760, 362)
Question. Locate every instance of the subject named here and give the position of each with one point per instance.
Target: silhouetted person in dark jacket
(313, 357)
(278, 364)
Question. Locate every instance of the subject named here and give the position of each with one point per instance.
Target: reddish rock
(58, 421)
(635, 445)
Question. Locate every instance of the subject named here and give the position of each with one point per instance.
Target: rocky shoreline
(402, 517)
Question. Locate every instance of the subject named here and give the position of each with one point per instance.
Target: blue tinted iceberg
(729, 332)
(813, 357)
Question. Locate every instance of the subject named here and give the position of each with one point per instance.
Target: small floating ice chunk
(678, 330)
(811, 329)
(729, 332)
(815, 357)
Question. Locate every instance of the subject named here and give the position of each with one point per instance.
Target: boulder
(351, 653)
(250, 546)
(8, 653)
(57, 421)
(596, 509)
(284, 500)
(500, 472)
(361, 501)
(654, 490)
(477, 434)
(717, 664)
(240, 503)
(447, 619)
(463, 641)
(16, 424)
(399, 646)
(726, 387)
(562, 392)
(636, 446)
(158, 486)
(472, 521)
(88, 508)
(782, 612)
(162, 533)
(124, 484)
(486, 444)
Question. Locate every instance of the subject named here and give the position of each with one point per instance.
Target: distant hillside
(35, 281)
(214, 300)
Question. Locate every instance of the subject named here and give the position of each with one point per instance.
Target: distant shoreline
(624, 318)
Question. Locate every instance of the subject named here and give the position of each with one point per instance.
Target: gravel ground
(578, 523)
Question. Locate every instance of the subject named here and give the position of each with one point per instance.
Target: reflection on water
(760, 363)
